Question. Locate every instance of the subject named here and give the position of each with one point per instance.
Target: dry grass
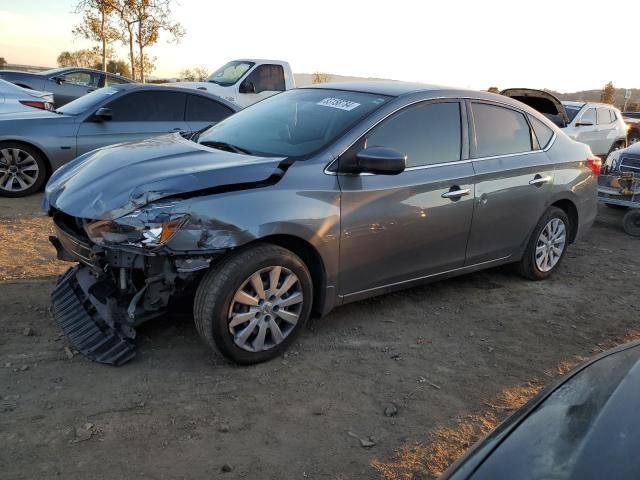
(25, 249)
(448, 443)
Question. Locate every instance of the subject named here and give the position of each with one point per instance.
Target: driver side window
(589, 116)
(266, 78)
(84, 79)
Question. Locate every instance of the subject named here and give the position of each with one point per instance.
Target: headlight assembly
(142, 228)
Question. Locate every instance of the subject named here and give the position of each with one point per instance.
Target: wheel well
(572, 212)
(47, 164)
(312, 260)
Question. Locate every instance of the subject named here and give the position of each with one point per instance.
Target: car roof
(82, 69)
(593, 104)
(380, 87)
(128, 87)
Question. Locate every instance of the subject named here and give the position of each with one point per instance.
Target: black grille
(84, 328)
(630, 162)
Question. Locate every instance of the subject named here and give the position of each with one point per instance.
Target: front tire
(631, 223)
(547, 245)
(251, 306)
(22, 170)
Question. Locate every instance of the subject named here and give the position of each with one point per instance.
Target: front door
(136, 116)
(513, 181)
(586, 130)
(415, 224)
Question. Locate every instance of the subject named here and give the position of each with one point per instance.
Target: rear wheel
(547, 245)
(631, 222)
(22, 170)
(252, 305)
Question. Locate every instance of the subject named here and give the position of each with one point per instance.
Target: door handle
(539, 180)
(455, 194)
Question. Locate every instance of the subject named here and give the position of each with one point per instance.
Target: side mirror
(584, 123)
(58, 80)
(103, 115)
(247, 87)
(379, 161)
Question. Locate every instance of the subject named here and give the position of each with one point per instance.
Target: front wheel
(631, 222)
(547, 245)
(252, 305)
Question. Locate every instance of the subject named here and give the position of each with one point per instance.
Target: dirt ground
(428, 356)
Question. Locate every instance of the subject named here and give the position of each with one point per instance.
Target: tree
(87, 58)
(608, 94)
(97, 24)
(147, 66)
(198, 74)
(493, 90)
(117, 66)
(633, 107)
(319, 77)
(3, 62)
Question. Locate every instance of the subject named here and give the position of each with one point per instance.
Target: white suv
(599, 125)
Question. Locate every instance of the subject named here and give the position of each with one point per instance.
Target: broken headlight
(140, 228)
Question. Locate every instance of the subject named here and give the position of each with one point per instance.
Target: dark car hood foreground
(587, 426)
(116, 180)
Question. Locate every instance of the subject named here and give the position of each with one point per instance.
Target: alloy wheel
(265, 309)
(551, 244)
(18, 170)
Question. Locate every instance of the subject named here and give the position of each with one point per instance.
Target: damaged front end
(126, 276)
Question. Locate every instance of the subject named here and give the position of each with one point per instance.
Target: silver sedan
(17, 99)
(33, 144)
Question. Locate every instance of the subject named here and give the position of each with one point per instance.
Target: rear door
(203, 112)
(136, 115)
(513, 181)
(415, 224)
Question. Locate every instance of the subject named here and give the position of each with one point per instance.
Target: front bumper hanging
(87, 329)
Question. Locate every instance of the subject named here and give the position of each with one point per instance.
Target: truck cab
(245, 82)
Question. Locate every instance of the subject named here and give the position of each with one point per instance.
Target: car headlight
(140, 228)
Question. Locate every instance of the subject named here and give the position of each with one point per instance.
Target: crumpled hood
(113, 181)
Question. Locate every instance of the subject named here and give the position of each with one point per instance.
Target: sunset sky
(565, 45)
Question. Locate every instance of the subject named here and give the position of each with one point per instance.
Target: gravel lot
(427, 356)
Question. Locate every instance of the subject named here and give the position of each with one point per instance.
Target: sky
(564, 45)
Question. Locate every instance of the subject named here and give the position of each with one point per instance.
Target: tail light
(40, 105)
(595, 164)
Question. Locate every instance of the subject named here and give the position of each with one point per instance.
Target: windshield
(294, 123)
(572, 111)
(86, 102)
(230, 73)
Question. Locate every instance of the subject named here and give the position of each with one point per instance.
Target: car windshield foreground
(294, 123)
(308, 200)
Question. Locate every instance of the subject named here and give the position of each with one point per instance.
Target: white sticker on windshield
(338, 103)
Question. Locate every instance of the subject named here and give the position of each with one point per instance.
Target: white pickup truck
(244, 82)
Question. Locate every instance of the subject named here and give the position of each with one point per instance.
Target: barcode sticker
(338, 103)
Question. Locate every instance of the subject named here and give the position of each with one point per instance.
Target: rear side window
(114, 80)
(148, 107)
(200, 109)
(589, 116)
(500, 131)
(427, 134)
(543, 133)
(604, 116)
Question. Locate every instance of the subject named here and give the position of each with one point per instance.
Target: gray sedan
(34, 144)
(310, 199)
(66, 84)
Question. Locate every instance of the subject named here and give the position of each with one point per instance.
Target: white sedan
(17, 99)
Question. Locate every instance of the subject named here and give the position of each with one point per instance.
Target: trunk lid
(544, 102)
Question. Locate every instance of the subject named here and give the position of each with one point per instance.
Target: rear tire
(252, 305)
(548, 241)
(23, 170)
(631, 223)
